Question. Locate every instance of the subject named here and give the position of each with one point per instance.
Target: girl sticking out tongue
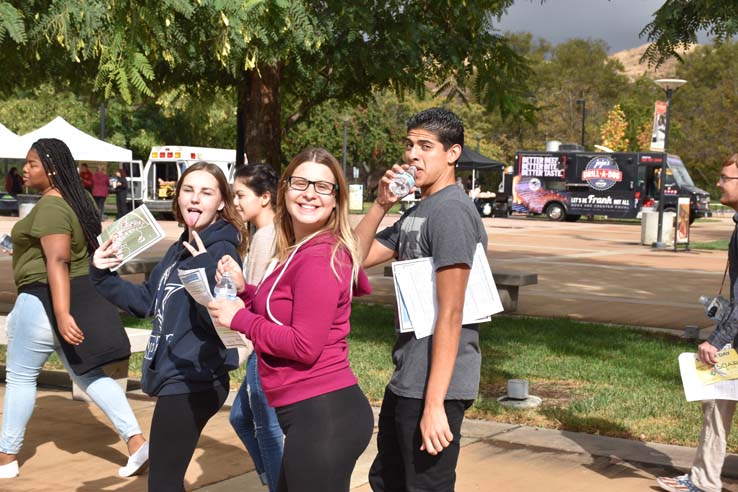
(199, 200)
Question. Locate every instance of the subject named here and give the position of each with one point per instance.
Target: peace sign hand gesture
(198, 242)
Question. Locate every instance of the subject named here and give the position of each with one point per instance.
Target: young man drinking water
(436, 378)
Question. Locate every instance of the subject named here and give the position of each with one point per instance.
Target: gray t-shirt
(447, 227)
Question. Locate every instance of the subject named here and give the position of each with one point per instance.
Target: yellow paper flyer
(725, 369)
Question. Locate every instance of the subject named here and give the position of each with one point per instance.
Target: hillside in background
(634, 68)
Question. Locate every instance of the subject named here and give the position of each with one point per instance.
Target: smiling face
(34, 174)
(309, 210)
(434, 165)
(199, 200)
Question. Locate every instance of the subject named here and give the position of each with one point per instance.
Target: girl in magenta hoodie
(298, 320)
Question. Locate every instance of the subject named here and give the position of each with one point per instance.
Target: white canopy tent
(7, 138)
(84, 147)
(6, 134)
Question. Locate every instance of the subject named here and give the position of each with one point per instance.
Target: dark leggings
(324, 436)
(175, 429)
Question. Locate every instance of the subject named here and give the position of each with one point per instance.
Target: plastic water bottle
(403, 182)
(225, 288)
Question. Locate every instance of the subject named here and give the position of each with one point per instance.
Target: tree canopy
(293, 54)
(676, 23)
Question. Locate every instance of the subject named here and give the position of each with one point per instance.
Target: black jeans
(175, 429)
(121, 205)
(324, 436)
(400, 465)
(100, 201)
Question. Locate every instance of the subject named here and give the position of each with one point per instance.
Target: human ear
(453, 153)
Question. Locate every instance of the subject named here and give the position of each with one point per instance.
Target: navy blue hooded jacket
(184, 354)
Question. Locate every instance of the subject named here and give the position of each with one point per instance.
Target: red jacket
(86, 179)
(100, 184)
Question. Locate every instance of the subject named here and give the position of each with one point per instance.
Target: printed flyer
(725, 369)
(132, 234)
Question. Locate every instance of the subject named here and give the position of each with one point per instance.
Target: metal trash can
(8, 203)
(26, 203)
(650, 228)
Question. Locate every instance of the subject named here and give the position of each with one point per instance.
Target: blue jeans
(257, 426)
(30, 342)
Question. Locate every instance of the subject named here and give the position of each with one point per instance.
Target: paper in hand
(132, 234)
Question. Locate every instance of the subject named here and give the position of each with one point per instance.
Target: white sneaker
(136, 462)
(10, 470)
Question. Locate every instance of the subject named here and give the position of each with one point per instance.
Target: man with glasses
(436, 378)
(717, 414)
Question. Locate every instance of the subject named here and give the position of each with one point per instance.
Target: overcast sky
(617, 22)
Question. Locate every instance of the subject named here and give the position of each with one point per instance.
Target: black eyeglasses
(320, 187)
(725, 178)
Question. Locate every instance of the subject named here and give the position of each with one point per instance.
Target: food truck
(566, 185)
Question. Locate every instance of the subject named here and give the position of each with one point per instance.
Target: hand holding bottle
(225, 288)
(403, 182)
(228, 264)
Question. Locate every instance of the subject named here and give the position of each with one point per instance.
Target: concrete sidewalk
(513, 457)
(71, 447)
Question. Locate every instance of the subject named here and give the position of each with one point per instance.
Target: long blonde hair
(338, 223)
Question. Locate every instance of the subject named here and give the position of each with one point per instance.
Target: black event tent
(474, 161)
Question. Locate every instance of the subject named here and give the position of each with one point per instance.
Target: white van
(167, 163)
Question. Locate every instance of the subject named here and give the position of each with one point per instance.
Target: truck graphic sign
(602, 173)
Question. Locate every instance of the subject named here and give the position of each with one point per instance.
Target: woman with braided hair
(57, 309)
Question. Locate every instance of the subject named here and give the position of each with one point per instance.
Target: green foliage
(320, 48)
(677, 22)
(702, 113)
(11, 23)
(374, 132)
(176, 72)
(30, 110)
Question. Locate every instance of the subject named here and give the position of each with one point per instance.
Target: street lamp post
(474, 171)
(669, 85)
(582, 103)
(343, 159)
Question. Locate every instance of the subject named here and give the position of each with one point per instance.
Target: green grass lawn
(367, 205)
(719, 245)
(592, 378)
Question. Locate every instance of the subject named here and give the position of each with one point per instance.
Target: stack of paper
(704, 382)
(415, 290)
(196, 283)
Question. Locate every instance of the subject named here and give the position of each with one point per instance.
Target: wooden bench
(508, 285)
(138, 339)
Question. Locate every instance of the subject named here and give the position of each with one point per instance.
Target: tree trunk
(258, 113)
